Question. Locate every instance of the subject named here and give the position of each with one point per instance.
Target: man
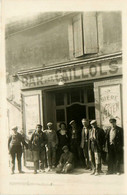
(96, 142)
(114, 139)
(15, 143)
(66, 163)
(51, 146)
(85, 141)
(37, 145)
(75, 142)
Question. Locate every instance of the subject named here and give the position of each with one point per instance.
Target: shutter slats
(90, 33)
(78, 36)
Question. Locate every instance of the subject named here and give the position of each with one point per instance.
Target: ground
(78, 182)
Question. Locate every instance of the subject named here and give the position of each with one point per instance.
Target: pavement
(78, 182)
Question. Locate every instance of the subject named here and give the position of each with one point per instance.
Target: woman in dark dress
(62, 139)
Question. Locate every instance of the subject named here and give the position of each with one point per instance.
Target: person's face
(15, 131)
(49, 127)
(94, 125)
(85, 123)
(63, 127)
(38, 128)
(65, 150)
(113, 124)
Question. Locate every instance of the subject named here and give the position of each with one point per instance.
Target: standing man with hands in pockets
(51, 146)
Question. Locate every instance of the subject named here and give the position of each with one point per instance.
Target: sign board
(110, 104)
(71, 73)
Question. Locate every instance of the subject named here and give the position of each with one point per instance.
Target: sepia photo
(64, 101)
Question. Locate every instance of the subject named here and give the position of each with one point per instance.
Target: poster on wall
(32, 113)
(110, 104)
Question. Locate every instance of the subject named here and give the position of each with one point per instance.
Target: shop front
(83, 89)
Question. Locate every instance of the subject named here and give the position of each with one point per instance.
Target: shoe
(53, 167)
(35, 172)
(49, 169)
(93, 172)
(118, 173)
(43, 170)
(12, 173)
(96, 173)
(21, 172)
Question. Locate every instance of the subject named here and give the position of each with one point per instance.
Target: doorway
(76, 112)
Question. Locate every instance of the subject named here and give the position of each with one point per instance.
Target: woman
(62, 139)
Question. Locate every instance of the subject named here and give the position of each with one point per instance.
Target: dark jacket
(84, 137)
(99, 141)
(37, 141)
(66, 158)
(118, 140)
(16, 141)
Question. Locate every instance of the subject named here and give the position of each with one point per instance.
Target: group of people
(63, 150)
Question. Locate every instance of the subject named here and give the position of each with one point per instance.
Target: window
(85, 34)
(59, 99)
(60, 115)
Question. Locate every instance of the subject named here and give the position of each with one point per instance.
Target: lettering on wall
(110, 104)
(72, 73)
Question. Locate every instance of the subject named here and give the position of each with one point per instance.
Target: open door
(32, 115)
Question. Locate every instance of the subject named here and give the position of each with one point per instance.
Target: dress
(62, 141)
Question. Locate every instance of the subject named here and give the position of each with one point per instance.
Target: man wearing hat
(75, 136)
(85, 141)
(37, 145)
(66, 162)
(96, 142)
(51, 146)
(15, 142)
(114, 137)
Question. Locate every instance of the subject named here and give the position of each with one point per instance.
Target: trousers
(51, 156)
(15, 152)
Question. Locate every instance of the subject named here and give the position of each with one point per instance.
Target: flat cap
(93, 121)
(65, 147)
(112, 120)
(39, 125)
(84, 119)
(73, 121)
(14, 127)
(49, 124)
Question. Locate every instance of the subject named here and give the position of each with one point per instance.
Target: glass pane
(75, 96)
(91, 112)
(59, 98)
(60, 115)
(90, 94)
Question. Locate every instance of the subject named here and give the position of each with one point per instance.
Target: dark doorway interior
(76, 112)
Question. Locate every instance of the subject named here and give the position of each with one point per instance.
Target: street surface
(78, 182)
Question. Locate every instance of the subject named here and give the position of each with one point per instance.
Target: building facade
(64, 66)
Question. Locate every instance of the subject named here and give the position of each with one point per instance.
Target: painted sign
(72, 73)
(110, 104)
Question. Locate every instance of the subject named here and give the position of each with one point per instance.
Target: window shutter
(90, 33)
(78, 36)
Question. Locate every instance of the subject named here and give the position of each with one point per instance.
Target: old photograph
(64, 96)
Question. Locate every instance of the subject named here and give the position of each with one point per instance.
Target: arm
(70, 159)
(9, 140)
